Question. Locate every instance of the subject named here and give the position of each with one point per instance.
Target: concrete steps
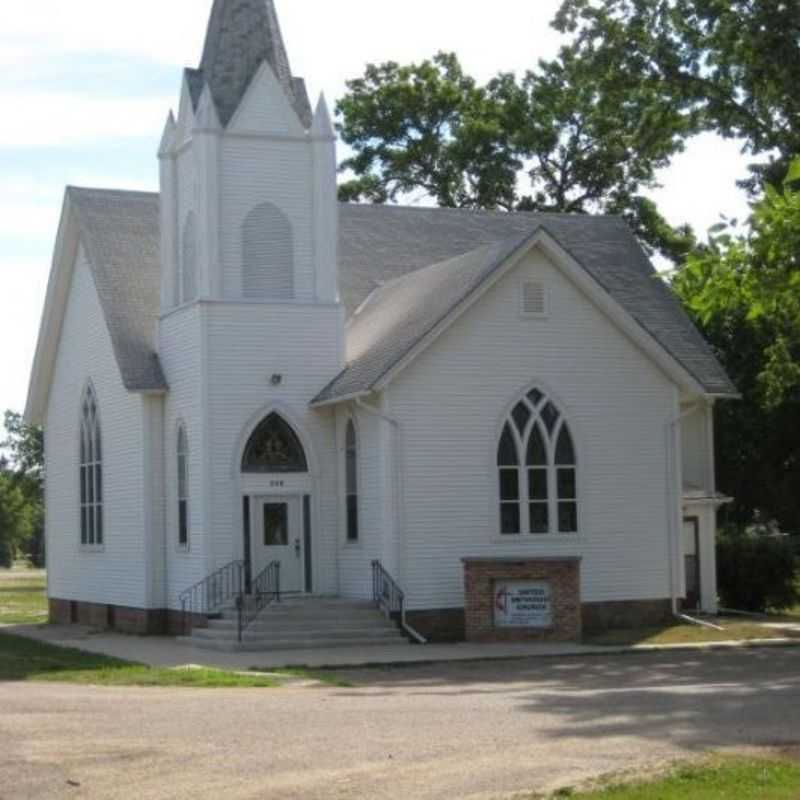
(300, 624)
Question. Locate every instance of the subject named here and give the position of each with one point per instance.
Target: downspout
(675, 503)
(416, 635)
(674, 500)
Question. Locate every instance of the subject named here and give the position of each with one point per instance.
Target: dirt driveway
(456, 731)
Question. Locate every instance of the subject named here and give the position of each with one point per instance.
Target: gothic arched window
(189, 260)
(351, 480)
(274, 447)
(538, 470)
(91, 471)
(267, 254)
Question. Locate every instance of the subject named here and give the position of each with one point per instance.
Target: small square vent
(534, 299)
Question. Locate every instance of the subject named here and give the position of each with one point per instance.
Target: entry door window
(276, 525)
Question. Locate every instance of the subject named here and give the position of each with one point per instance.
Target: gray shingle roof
(381, 243)
(120, 231)
(242, 34)
(450, 252)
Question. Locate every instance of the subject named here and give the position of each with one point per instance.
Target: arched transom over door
(274, 447)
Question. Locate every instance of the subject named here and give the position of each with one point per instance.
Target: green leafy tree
(25, 470)
(16, 518)
(730, 66)
(744, 291)
(587, 143)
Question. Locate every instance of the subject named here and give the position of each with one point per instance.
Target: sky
(85, 88)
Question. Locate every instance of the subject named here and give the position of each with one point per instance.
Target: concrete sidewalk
(168, 652)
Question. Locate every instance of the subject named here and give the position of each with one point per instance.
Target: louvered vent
(268, 254)
(534, 299)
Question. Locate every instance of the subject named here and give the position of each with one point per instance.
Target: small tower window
(183, 488)
(267, 254)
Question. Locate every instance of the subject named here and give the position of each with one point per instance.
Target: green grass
(722, 778)
(22, 597)
(27, 660)
(687, 634)
(318, 676)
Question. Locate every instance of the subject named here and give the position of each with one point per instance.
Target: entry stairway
(303, 623)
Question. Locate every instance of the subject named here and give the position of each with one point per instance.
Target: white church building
(243, 381)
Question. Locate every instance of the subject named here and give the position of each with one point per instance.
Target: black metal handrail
(391, 599)
(266, 589)
(385, 592)
(209, 595)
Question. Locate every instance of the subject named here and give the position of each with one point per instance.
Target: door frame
(303, 501)
(695, 522)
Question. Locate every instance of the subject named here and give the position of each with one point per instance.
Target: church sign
(523, 604)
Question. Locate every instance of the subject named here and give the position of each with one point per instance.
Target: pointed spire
(322, 126)
(242, 34)
(168, 137)
(206, 117)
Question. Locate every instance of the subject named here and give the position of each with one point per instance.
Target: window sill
(183, 549)
(536, 538)
(89, 549)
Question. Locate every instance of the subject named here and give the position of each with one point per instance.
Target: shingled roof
(414, 265)
(242, 35)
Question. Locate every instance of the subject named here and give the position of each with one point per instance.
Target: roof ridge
(482, 211)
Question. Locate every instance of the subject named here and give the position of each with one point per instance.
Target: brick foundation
(562, 574)
(134, 621)
(439, 625)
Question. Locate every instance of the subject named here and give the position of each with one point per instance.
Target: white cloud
(53, 119)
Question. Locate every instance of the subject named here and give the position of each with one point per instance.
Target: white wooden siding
(451, 404)
(696, 444)
(247, 344)
(117, 573)
(181, 355)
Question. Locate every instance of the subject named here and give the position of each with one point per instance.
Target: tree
(588, 142)
(744, 292)
(25, 471)
(16, 518)
(731, 66)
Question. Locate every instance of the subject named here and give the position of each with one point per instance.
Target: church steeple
(242, 35)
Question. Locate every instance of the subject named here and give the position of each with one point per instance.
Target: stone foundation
(561, 575)
(135, 621)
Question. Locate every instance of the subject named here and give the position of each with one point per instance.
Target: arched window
(267, 254)
(274, 447)
(351, 480)
(183, 487)
(91, 471)
(189, 260)
(538, 470)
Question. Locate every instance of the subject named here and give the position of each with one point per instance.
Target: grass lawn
(721, 778)
(22, 597)
(26, 660)
(688, 634)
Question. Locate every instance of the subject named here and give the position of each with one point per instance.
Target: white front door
(278, 536)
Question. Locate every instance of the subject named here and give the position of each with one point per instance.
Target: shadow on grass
(24, 659)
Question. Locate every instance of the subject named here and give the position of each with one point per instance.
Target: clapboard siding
(257, 171)
(117, 573)
(355, 558)
(450, 405)
(248, 343)
(182, 360)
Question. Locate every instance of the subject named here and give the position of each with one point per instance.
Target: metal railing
(266, 589)
(209, 595)
(391, 599)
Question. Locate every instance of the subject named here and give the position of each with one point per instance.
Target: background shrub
(756, 572)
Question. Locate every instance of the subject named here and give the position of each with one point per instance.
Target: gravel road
(456, 732)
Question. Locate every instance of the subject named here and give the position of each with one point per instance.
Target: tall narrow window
(351, 478)
(267, 254)
(183, 488)
(542, 497)
(91, 472)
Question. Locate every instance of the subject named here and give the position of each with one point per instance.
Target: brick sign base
(482, 575)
